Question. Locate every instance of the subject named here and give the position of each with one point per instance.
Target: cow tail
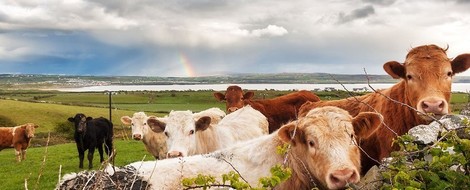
(109, 138)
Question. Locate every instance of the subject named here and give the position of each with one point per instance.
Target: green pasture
(42, 166)
(50, 110)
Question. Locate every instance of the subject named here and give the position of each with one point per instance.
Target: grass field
(51, 109)
(44, 175)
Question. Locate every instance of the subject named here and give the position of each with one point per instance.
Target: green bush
(66, 129)
(443, 165)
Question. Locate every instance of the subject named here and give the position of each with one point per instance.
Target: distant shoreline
(456, 87)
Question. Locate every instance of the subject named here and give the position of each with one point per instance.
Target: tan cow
(323, 154)
(279, 110)
(425, 84)
(155, 143)
(17, 137)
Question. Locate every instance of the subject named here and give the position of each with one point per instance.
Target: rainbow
(188, 68)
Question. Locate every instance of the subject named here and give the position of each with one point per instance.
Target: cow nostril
(424, 105)
(441, 105)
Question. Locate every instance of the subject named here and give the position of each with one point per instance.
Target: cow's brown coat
(279, 110)
(426, 78)
(17, 137)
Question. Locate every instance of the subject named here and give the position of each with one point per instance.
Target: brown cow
(426, 77)
(279, 110)
(17, 137)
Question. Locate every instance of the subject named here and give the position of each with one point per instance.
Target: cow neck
(302, 177)
(398, 93)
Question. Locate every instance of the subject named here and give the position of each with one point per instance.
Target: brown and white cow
(17, 137)
(190, 134)
(279, 110)
(155, 143)
(425, 84)
(323, 153)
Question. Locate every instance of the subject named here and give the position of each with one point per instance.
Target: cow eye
(311, 143)
(409, 77)
(191, 132)
(145, 123)
(449, 74)
(166, 134)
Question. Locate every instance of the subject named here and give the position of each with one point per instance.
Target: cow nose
(339, 178)
(434, 106)
(174, 154)
(232, 109)
(137, 136)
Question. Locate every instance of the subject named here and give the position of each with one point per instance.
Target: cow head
(234, 98)
(427, 73)
(138, 122)
(180, 129)
(324, 142)
(80, 121)
(29, 128)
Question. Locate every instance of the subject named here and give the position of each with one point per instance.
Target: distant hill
(46, 81)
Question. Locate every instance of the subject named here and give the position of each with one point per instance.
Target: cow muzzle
(435, 107)
(232, 109)
(338, 179)
(174, 154)
(137, 136)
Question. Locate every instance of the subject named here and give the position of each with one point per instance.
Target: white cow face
(180, 129)
(138, 122)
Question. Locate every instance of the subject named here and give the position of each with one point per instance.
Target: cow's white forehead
(179, 120)
(139, 116)
(332, 119)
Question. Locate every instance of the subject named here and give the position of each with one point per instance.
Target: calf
(90, 134)
(17, 137)
(278, 110)
(323, 153)
(155, 143)
(425, 85)
(188, 135)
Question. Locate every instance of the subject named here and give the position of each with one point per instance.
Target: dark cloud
(356, 14)
(380, 2)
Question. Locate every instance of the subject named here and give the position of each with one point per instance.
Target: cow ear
(395, 69)
(219, 96)
(461, 63)
(126, 120)
(203, 123)
(156, 125)
(366, 123)
(290, 133)
(248, 95)
(71, 119)
(88, 118)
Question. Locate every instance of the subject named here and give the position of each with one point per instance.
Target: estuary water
(456, 87)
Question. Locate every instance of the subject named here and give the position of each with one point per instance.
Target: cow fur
(18, 138)
(188, 135)
(155, 143)
(426, 76)
(90, 134)
(279, 110)
(322, 154)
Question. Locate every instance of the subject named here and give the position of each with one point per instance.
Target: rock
(427, 134)
(372, 180)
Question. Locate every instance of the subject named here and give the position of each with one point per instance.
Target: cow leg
(18, 155)
(81, 156)
(100, 150)
(91, 151)
(23, 154)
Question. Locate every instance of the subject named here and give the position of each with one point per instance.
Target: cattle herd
(332, 143)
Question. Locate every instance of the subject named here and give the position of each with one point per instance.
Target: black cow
(90, 134)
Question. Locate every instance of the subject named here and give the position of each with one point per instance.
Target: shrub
(443, 165)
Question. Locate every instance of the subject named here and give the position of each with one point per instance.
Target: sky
(188, 38)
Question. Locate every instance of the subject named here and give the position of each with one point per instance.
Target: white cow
(188, 135)
(155, 143)
(323, 153)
